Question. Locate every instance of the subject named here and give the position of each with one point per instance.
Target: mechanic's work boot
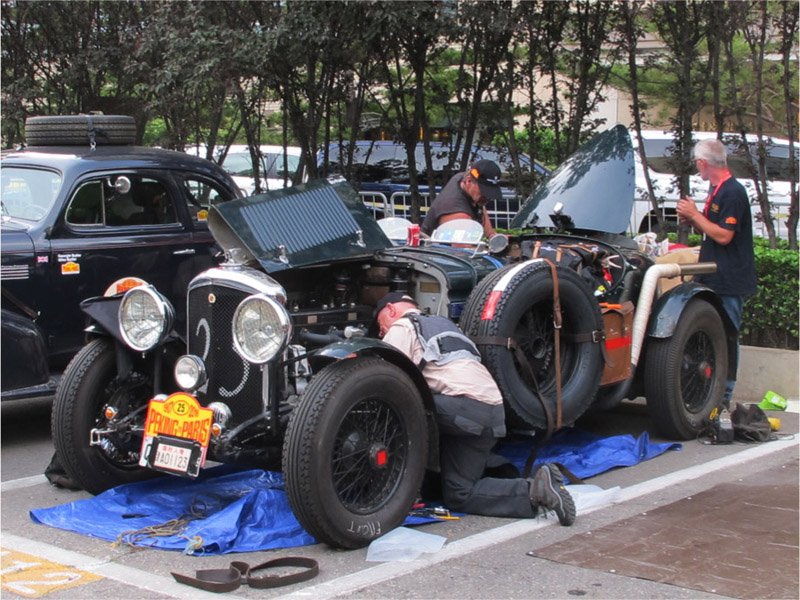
(547, 490)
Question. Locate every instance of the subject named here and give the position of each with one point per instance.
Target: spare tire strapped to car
(526, 365)
(78, 130)
(508, 318)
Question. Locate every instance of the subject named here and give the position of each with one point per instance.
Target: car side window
(200, 195)
(86, 207)
(146, 202)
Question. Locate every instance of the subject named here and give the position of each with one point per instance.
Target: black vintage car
(80, 215)
(276, 366)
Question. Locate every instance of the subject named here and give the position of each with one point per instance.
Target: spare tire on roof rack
(79, 130)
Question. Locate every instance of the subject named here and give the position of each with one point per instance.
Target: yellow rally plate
(179, 415)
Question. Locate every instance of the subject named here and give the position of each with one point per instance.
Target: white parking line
(387, 571)
(24, 482)
(143, 580)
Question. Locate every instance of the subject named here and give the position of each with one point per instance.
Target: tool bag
(750, 423)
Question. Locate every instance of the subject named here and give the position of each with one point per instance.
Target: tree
(787, 26)
(682, 26)
(631, 30)
(411, 35)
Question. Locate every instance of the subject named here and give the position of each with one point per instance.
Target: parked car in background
(277, 168)
(278, 362)
(658, 150)
(379, 171)
(82, 214)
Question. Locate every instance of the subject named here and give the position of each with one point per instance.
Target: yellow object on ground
(774, 423)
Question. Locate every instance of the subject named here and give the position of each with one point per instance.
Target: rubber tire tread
(662, 373)
(523, 408)
(301, 445)
(471, 316)
(87, 368)
(72, 130)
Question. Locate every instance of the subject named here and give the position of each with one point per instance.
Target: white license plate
(171, 457)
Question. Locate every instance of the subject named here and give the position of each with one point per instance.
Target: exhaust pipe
(647, 295)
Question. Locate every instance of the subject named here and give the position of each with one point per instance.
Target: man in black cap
(470, 417)
(465, 197)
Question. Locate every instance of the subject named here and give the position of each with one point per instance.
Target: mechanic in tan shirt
(470, 417)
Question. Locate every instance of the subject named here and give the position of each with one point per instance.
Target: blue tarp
(587, 454)
(227, 511)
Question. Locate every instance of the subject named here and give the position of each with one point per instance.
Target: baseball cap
(487, 174)
(389, 298)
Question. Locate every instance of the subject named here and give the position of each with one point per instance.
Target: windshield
(28, 193)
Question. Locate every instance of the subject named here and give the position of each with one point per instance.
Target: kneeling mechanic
(470, 416)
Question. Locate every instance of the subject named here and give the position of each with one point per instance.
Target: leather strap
(557, 323)
(310, 566)
(239, 572)
(213, 580)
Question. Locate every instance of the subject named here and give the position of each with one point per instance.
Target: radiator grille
(231, 379)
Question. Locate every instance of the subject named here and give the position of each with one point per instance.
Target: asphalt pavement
(679, 499)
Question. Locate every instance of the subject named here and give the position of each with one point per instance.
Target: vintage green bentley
(276, 365)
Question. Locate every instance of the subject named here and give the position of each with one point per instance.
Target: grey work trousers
(463, 460)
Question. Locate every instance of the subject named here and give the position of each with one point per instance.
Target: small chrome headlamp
(190, 372)
(261, 328)
(145, 318)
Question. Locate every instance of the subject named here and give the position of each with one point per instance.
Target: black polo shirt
(451, 199)
(736, 268)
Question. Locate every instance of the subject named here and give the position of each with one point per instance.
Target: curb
(763, 369)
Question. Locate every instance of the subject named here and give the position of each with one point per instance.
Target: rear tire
(354, 453)
(75, 130)
(685, 374)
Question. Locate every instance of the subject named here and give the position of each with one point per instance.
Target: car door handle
(185, 252)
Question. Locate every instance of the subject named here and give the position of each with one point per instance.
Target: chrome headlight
(145, 318)
(190, 372)
(261, 328)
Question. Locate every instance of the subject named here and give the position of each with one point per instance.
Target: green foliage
(770, 318)
(546, 148)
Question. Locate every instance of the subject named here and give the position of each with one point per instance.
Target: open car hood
(313, 223)
(594, 186)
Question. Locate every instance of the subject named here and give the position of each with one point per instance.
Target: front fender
(354, 348)
(669, 307)
(24, 353)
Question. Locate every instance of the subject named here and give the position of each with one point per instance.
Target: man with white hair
(727, 229)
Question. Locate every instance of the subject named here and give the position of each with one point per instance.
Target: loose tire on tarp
(88, 384)
(517, 302)
(685, 374)
(79, 130)
(355, 451)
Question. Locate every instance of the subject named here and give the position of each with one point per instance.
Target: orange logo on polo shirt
(70, 268)
(715, 208)
(730, 221)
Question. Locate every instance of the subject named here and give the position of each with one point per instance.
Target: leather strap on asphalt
(241, 573)
(310, 566)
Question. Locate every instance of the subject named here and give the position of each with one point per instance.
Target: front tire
(89, 384)
(685, 374)
(354, 453)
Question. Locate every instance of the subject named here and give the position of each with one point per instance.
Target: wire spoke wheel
(355, 451)
(363, 475)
